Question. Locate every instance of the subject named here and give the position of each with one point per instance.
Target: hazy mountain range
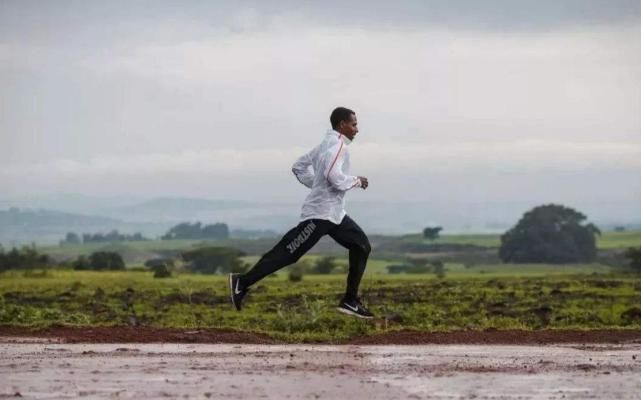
(46, 219)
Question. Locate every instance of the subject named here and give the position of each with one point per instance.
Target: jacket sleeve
(333, 170)
(303, 168)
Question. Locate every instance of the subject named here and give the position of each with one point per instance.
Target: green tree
(550, 234)
(214, 259)
(185, 230)
(432, 233)
(215, 231)
(72, 238)
(633, 255)
(81, 263)
(106, 260)
(161, 271)
(324, 265)
(10, 259)
(137, 236)
(25, 258)
(153, 262)
(295, 273)
(439, 268)
(162, 267)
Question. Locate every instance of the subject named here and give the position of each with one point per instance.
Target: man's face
(349, 128)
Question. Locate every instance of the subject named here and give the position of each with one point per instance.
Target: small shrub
(161, 271)
(408, 269)
(439, 269)
(631, 315)
(81, 264)
(633, 255)
(214, 259)
(99, 261)
(324, 265)
(151, 263)
(295, 274)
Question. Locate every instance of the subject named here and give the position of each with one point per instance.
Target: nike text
(302, 237)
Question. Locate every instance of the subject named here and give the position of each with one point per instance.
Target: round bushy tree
(106, 260)
(550, 234)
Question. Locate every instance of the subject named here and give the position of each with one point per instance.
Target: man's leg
(351, 236)
(291, 247)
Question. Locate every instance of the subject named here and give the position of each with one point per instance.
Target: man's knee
(364, 248)
(367, 247)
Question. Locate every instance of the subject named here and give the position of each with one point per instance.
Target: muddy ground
(141, 334)
(43, 365)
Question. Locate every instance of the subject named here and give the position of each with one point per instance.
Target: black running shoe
(236, 291)
(355, 308)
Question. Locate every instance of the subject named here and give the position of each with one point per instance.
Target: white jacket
(328, 178)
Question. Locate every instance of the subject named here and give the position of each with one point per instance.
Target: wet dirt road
(37, 368)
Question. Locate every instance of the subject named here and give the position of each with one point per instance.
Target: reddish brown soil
(127, 334)
(164, 335)
(514, 337)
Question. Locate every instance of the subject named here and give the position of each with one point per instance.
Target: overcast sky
(486, 101)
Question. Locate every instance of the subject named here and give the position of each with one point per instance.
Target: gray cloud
(455, 98)
(87, 23)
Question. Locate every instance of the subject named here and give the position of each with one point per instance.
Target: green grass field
(484, 240)
(608, 240)
(146, 246)
(617, 240)
(144, 249)
(538, 297)
(502, 296)
(378, 266)
(374, 265)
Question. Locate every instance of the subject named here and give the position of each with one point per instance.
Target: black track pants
(303, 237)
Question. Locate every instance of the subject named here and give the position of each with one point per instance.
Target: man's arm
(303, 168)
(334, 169)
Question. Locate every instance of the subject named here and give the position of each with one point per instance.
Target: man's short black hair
(340, 114)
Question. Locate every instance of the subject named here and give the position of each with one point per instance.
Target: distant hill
(173, 209)
(42, 218)
(252, 218)
(74, 203)
(23, 226)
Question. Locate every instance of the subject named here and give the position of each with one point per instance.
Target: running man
(325, 170)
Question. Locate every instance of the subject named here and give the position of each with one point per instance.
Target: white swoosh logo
(236, 291)
(351, 308)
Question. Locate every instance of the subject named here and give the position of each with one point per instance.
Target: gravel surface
(50, 368)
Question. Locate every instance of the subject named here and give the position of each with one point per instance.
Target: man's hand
(364, 182)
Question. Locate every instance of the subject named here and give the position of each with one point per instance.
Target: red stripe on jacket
(334, 162)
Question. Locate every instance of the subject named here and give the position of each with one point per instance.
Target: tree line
(197, 230)
(111, 237)
(183, 230)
